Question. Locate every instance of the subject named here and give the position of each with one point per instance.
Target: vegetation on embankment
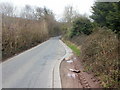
(20, 34)
(99, 41)
(100, 56)
(34, 26)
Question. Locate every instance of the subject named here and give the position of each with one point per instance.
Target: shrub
(81, 25)
(100, 53)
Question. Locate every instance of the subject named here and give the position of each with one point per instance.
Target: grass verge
(74, 47)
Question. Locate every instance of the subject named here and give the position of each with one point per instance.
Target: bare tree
(7, 9)
(69, 14)
(43, 13)
(39, 13)
(28, 12)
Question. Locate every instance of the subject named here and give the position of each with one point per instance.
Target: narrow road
(32, 68)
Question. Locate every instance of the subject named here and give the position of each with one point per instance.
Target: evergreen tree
(107, 14)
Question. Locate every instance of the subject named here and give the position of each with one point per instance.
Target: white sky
(57, 6)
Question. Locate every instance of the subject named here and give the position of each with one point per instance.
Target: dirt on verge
(73, 75)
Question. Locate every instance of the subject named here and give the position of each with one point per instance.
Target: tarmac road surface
(34, 67)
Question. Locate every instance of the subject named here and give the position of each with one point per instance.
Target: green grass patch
(74, 47)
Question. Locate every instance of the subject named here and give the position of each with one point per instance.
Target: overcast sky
(57, 6)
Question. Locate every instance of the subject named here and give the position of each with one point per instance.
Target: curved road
(34, 67)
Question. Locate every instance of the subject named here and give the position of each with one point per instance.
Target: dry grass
(99, 54)
(20, 34)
